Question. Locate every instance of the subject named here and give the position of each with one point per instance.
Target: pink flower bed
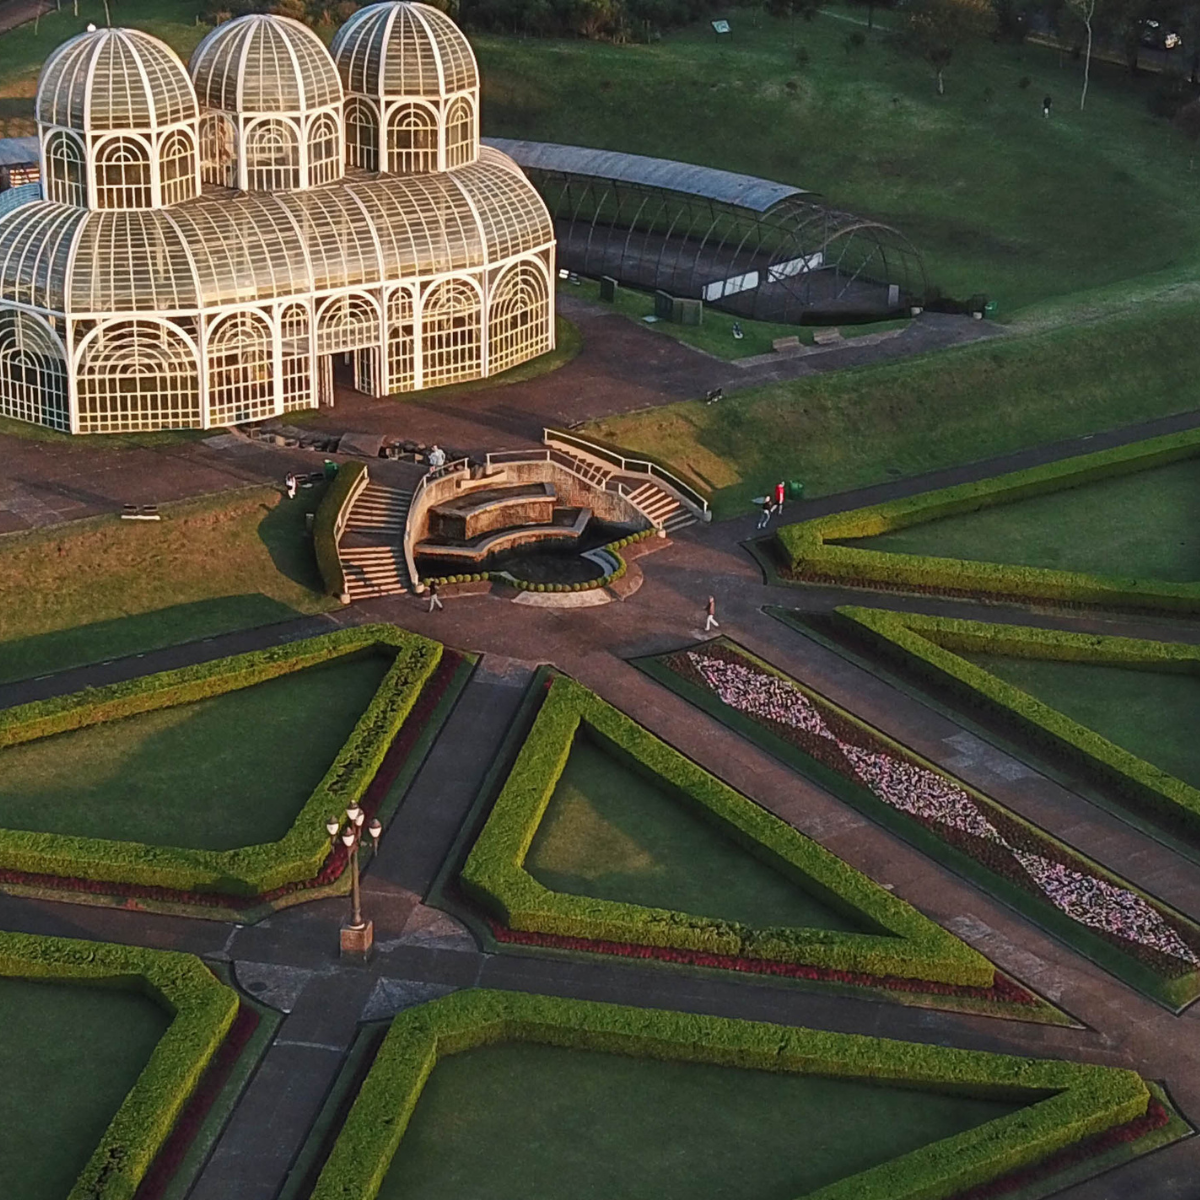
(967, 822)
(1003, 991)
(335, 862)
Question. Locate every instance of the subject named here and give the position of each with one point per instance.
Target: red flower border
(335, 863)
(1003, 991)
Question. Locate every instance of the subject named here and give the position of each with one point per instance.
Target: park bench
(140, 512)
(827, 337)
(786, 343)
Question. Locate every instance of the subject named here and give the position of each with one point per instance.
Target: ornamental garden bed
(604, 840)
(645, 1103)
(208, 788)
(1137, 938)
(1120, 711)
(105, 1048)
(1115, 528)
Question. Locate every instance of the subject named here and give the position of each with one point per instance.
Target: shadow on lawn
(284, 533)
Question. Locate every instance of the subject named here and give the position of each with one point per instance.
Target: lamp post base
(357, 940)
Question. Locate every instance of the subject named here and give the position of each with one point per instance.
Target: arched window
(241, 374)
(218, 151)
(324, 151)
(400, 341)
(362, 135)
(295, 360)
(519, 318)
(347, 323)
(412, 141)
(33, 375)
(177, 168)
(64, 163)
(450, 333)
(272, 157)
(122, 174)
(460, 134)
(138, 375)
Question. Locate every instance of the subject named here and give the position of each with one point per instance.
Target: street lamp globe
(332, 826)
(375, 829)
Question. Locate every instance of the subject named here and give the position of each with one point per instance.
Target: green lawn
(515, 1122)
(852, 428)
(98, 589)
(229, 771)
(612, 834)
(1150, 713)
(1144, 525)
(68, 1057)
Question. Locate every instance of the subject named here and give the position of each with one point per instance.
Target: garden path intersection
(288, 960)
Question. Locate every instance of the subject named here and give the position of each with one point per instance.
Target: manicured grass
(615, 835)
(852, 428)
(69, 1055)
(1150, 713)
(1141, 525)
(102, 588)
(510, 1122)
(230, 771)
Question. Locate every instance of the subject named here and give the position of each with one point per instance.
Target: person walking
(437, 457)
(1046, 102)
(710, 615)
(767, 509)
(435, 601)
(289, 482)
(780, 492)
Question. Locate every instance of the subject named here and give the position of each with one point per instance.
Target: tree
(937, 28)
(1085, 10)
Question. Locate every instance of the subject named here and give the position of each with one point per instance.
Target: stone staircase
(661, 507)
(372, 545)
(588, 468)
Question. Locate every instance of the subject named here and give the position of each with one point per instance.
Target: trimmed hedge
(329, 511)
(203, 1009)
(806, 545)
(905, 943)
(247, 870)
(932, 647)
(613, 548)
(1067, 1101)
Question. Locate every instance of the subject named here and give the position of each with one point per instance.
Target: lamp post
(359, 935)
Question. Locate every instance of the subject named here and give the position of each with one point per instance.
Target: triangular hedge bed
(933, 647)
(810, 551)
(495, 875)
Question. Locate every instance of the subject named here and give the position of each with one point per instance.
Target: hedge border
(524, 585)
(806, 544)
(325, 523)
(494, 876)
(931, 646)
(248, 870)
(1085, 1099)
(202, 1008)
(1174, 992)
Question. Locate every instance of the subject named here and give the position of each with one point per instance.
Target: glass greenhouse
(213, 244)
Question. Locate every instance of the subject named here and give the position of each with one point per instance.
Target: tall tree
(1085, 10)
(938, 28)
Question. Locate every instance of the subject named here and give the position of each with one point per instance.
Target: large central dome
(264, 64)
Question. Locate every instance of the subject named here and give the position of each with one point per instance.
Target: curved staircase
(372, 545)
(665, 510)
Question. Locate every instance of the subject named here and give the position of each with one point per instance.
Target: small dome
(404, 49)
(265, 64)
(112, 79)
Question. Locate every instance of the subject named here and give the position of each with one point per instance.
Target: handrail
(632, 466)
(434, 473)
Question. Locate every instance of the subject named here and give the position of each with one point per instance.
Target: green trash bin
(331, 468)
(795, 489)
(989, 309)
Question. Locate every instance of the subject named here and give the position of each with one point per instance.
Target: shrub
(1065, 1102)
(329, 511)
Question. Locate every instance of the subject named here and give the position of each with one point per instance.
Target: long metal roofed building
(752, 246)
(207, 247)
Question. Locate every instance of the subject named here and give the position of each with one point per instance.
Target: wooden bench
(827, 337)
(786, 343)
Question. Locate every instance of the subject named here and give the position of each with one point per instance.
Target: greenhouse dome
(224, 275)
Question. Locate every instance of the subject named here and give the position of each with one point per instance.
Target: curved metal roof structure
(212, 251)
(264, 64)
(708, 183)
(114, 79)
(404, 49)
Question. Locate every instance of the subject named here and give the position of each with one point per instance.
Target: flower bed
(808, 550)
(902, 942)
(932, 647)
(330, 868)
(1066, 1103)
(1144, 942)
